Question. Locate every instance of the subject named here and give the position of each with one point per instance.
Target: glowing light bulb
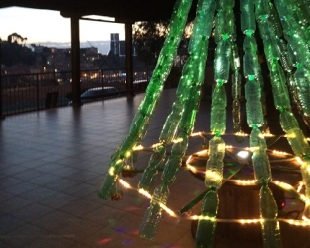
(111, 171)
(243, 154)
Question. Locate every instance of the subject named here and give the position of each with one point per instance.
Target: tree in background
(14, 51)
(149, 37)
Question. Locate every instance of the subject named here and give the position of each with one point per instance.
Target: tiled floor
(52, 164)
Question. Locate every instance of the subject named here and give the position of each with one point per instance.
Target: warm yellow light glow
(196, 134)
(299, 160)
(213, 175)
(268, 135)
(284, 185)
(254, 148)
(189, 159)
(241, 134)
(229, 147)
(178, 140)
(300, 185)
(291, 135)
(192, 168)
(138, 148)
(145, 193)
(296, 222)
(275, 152)
(127, 154)
(202, 217)
(163, 206)
(245, 182)
(125, 184)
(249, 221)
(304, 222)
(111, 171)
(305, 199)
(202, 152)
(221, 147)
(156, 145)
(168, 210)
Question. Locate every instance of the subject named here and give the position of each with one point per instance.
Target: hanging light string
(175, 214)
(179, 124)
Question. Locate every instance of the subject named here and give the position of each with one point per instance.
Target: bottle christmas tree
(283, 28)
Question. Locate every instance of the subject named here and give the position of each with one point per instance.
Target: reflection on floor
(52, 164)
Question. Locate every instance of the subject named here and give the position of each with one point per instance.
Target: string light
(156, 145)
(125, 184)
(275, 152)
(177, 140)
(145, 193)
(196, 134)
(300, 185)
(241, 134)
(202, 152)
(244, 182)
(138, 148)
(305, 222)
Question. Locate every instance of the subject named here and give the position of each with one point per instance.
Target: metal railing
(37, 91)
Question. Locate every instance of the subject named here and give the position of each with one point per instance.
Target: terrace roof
(121, 10)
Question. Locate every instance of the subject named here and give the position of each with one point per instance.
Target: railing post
(1, 113)
(101, 76)
(38, 93)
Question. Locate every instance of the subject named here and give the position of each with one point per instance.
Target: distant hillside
(103, 46)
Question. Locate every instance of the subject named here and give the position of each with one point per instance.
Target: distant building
(117, 47)
(115, 44)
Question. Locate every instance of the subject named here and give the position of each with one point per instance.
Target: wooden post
(129, 64)
(75, 61)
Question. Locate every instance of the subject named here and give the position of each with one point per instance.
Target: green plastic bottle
(215, 164)
(222, 61)
(270, 225)
(153, 213)
(218, 111)
(261, 165)
(207, 224)
(303, 89)
(248, 24)
(156, 160)
(254, 110)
